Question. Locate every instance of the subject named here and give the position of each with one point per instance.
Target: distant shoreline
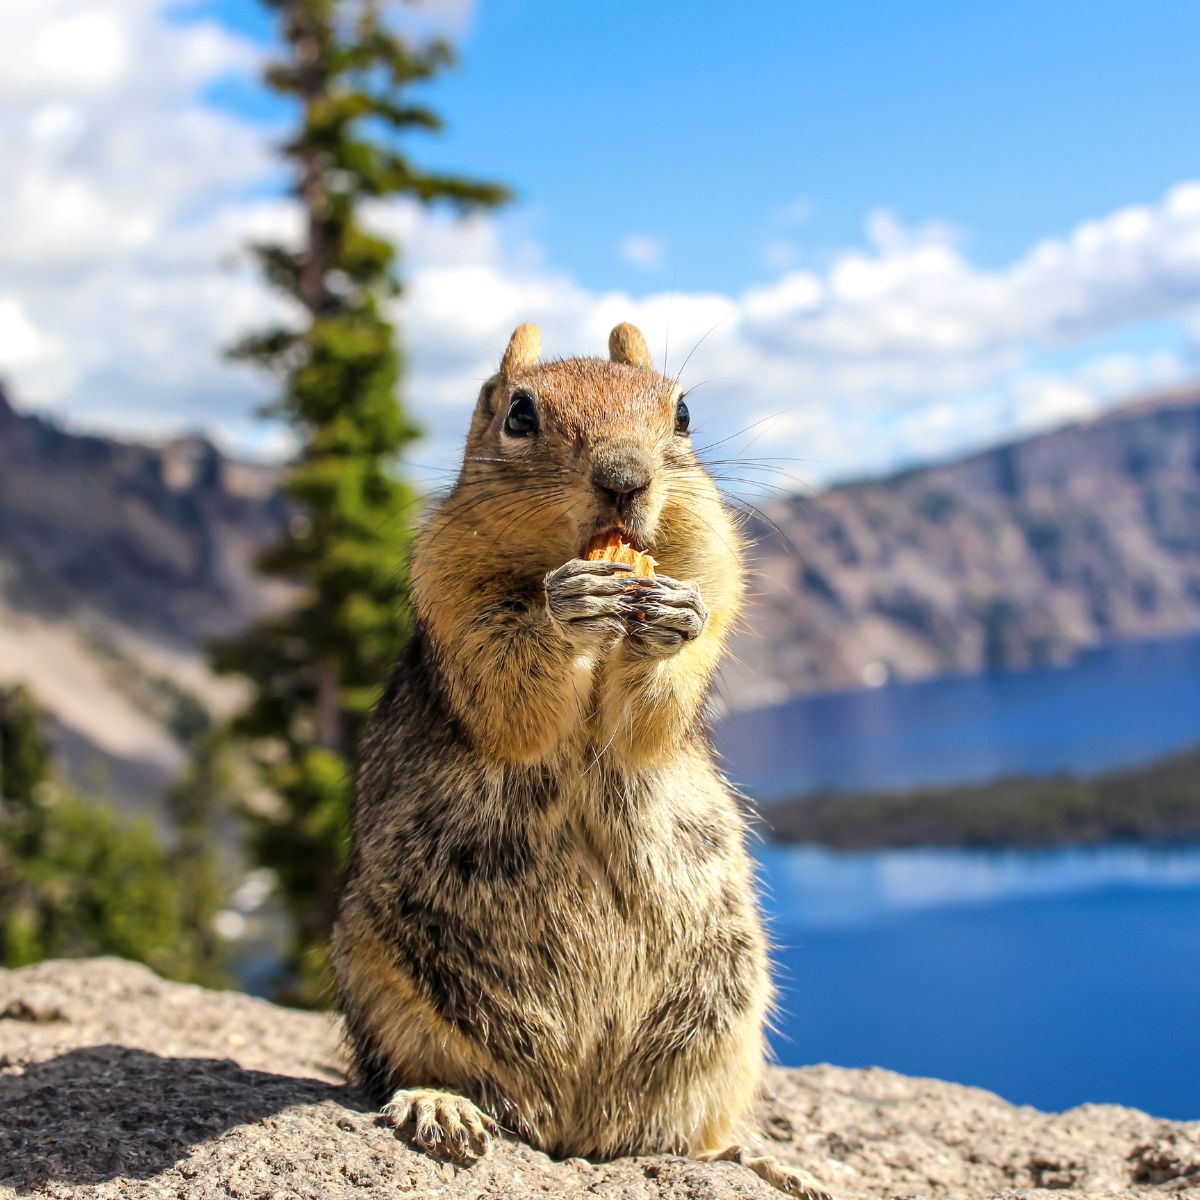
(1155, 802)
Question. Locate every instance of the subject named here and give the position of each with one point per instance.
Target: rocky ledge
(114, 1083)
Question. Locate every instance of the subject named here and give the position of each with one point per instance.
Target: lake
(1123, 704)
(1052, 978)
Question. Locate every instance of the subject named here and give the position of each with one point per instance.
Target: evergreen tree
(77, 880)
(202, 806)
(24, 755)
(317, 669)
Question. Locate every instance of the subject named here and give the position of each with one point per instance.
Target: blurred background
(931, 274)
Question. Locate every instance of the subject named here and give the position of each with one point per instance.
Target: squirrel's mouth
(629, 536)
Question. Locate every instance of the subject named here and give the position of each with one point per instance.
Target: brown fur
(627, 345)
(549, 921)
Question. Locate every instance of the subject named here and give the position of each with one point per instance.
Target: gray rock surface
(114, 1083)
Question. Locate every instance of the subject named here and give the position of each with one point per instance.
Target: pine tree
(24, 770)
(75, 879)
(317, 669)
(202, 807)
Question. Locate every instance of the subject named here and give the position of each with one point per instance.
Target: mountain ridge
(1026, 554)
(118, 563)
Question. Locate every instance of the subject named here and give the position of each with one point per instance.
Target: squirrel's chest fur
(566, 921)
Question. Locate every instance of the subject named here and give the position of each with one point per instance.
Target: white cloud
(128, 198)
(889, 234)
(641, 250)
(123, 194)
(20, 342)
(915, 294)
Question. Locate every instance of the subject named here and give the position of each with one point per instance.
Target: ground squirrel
(548, 924)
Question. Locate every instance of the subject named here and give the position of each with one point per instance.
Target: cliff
(114, 1083)
(1019, 556)
(117, 562)
(159, 538)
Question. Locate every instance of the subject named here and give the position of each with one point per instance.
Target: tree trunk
(318, 253)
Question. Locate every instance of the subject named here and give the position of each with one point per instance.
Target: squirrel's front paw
(585, 598)
(664, 616)
(443, 1124)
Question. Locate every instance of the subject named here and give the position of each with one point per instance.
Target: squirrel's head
(560, 451)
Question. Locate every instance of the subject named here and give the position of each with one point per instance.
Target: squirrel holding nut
(548, 923)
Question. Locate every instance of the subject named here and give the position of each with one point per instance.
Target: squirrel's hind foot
(791, 1180)
(443, 1124)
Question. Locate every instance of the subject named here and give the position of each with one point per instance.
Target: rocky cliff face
(114, 1084)
(1023, 555)
(157, 538)
(117, 561)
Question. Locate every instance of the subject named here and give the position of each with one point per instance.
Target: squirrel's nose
(621, 474)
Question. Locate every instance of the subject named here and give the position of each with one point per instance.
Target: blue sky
(1010, 121)
(912, 229)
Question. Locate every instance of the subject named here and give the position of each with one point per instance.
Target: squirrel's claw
(665, 616)
(443, 1124)
(586, 566)
(583, 597)
(794, 1181)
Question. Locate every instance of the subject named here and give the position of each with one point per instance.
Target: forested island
(1157, 802)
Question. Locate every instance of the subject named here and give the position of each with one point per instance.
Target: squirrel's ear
(626, 345)
(523, 349)
(485, 406)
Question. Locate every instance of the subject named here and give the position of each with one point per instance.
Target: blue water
(1050, 978)
(1124, 704)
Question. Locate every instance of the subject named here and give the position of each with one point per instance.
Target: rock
(114, 1083)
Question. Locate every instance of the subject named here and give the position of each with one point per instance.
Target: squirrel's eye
(683, 418)
(522, 417)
